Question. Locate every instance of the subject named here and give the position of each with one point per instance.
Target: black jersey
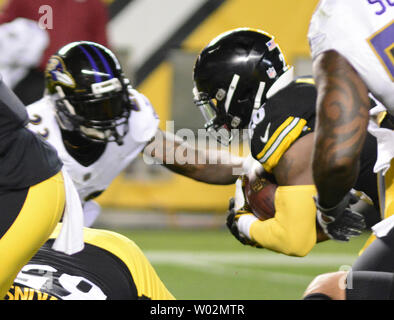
(91, 274)
(284, 118)
(110, 267)
(289, 115)
(25, 158)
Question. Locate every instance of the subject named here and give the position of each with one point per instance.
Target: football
(260, 195)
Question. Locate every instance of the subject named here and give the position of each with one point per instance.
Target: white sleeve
(144, 122)
(319, 38)
(360, 34)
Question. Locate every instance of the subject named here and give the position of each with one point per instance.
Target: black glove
(232, 225)
(340, 222)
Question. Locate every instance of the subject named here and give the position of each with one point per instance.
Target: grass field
(212, 265)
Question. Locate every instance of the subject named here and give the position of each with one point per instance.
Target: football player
(32, 190)
(242, 80)
(350, 59)
(110, 267)
(352, 47)
(99, 124)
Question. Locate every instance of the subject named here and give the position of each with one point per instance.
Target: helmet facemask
(215, 117)
(224, 114)
(100, 116)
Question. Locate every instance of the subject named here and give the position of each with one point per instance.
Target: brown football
(260, 195)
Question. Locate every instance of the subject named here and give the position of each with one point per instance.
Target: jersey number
(256, 118)
(40, 277)
(382, 45)
(382, 5)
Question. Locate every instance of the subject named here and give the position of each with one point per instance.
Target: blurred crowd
(31, 31)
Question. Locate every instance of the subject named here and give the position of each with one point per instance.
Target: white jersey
(363, 32)
(96, 177)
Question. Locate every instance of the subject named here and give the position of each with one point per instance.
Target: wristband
(333, 211)
(244, 222)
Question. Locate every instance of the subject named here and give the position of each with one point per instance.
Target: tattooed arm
(341, 127)
(186, 158)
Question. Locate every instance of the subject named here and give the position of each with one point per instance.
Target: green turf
(212, 265)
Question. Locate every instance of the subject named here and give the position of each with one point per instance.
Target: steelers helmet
(90, 91)
(234, 75)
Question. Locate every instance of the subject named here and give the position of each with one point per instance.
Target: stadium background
(177, 222)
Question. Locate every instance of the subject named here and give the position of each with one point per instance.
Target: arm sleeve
(293, 229)
(144, 122)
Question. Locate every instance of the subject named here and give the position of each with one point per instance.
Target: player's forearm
(216, 167)
(221, 174)
(342, 119)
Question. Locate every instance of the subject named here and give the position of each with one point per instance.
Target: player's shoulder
(103, 238)
(284, 118)
(328, 10)
(141, 102)
(143, 120)
(110, 241)
(301, 90)
(42, 107)
(296, 100)
(336, 23)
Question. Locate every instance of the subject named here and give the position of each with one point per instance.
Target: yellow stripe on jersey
(147, 281)
(280, 141)
(381, 116)
(305, 80)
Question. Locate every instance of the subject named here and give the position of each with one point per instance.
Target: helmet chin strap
(282, 82)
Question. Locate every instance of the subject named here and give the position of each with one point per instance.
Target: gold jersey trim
(280, 141)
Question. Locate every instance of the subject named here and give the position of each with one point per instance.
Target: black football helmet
(90, 91)
(234, 75)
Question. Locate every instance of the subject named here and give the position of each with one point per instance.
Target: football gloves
(341, 222)
(239, 222)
